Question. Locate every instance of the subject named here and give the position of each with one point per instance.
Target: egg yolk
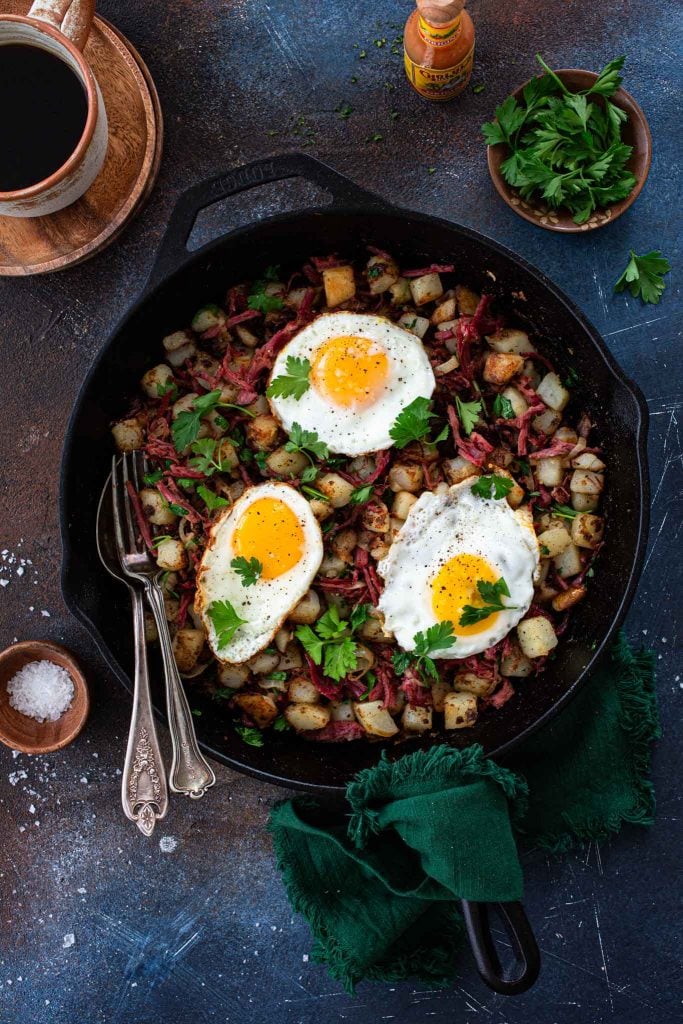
(350, 371)
(455, 585)
(269, 531)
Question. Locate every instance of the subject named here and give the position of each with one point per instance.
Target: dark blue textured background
(203, 932)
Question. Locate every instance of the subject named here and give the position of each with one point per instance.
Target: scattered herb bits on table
(372, 501)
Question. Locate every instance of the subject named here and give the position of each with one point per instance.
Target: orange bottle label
(439, 83)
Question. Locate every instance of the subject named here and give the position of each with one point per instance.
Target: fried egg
(364, 371)
(447, 544)
(273, 524)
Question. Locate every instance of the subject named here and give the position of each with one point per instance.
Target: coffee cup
(55, 124)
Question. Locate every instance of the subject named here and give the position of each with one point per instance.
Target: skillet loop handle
(523, 942)
(173, 249)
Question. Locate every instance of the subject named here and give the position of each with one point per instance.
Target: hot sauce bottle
(438, 45)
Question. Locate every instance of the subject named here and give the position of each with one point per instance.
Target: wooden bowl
(27, 734)
(635, 132)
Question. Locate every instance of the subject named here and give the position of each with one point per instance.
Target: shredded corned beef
(417, 694)
(556, 448)
(140, 517)
(240, 318)
(335, 732)
(434, 268)
(502, 695)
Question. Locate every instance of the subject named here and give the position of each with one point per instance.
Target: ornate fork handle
(144, 793)
(190, 773)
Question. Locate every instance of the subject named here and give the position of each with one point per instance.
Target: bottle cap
(440, 12)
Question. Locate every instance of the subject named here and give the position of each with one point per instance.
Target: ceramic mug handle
(73, 18)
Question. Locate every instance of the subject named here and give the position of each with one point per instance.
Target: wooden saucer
(39, 245)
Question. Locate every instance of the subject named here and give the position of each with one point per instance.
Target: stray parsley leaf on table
(294, 383)
(468, 414)
(493, 594)
(248, 570)
(428, 644)
(643, 276)
(492, 485)
(225, 621)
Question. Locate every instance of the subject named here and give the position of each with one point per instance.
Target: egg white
(266, 603)
(349, 430)
(439, 527)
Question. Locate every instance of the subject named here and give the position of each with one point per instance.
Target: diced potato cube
(307, 610)
(341, 711)
(588, 461)
(468, 682)
(259, 706)
(460, 710)
(339, 285)
(514, 497)
(552, 391)
(587, 530)
(500, 367)
(284, 463)
(206, 317)
(307, 717)
(180, 354)
(156, 380)
(247, 337)
(439, 690)
(515, 664)
(458, 469)
(262, 432)
(568, 598)
(335, 488)
(179, 339)
(467, 300)
(187, 646)
(537, 637)
(171, 555)
(415, 324)
(426, 288)
(128, 435)
(568, 562)
(549, 472)
(552, 542)
(402, 504)
(516, 400)
(416, 719)
(375, 719)
(400, 291)
(232, 676)
(585, 502)
(302, 691)
(226, 455)
(444, 312)
(406, 477)
(585, 482)
(373, 628)
(381, 274)
(156, 507)
(509, 339)
(547, 422)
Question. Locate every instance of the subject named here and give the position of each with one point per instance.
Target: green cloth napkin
(379, 886)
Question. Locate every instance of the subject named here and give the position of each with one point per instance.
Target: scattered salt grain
(41, 690)
(68, 940)
(4, 583)
(167, 844)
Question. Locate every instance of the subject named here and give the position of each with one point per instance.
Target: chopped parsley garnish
(152, 478)
(204, 457)
(492, 486)
(468, 414)
(225, 621)
(309, 474)
(644, 276)
(492, 594)
(572, 378)
(254, 737)
(167, 387)
(427, 646)
(564, 511)
(260, 300)
(307, 442)
(277, 677)
(502, 407)
(361, 494)
(177, 510)
(294, 383)
(185, 426)
(211, 500)
(248, 570)
(331, 642)
(160, 540)
(281, 724)
(412, 423)
(311, 492)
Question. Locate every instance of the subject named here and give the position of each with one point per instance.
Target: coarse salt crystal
(41, 690)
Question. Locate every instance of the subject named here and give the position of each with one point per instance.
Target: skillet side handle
(524, 946)
(173, 249)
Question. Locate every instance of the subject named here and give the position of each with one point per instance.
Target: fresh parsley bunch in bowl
(569, 150)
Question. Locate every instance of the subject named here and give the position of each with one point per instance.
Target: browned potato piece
(335, 488)
(536, 637)
(128, 435)
(156, 508)
(460, 710)
(444, 312)
(458, 469)
(468, 682)
(515, 496)
(171, 555)
(376, 517)
(568, 598)
(500, 367)
(426, 288)
(302, 691)
(467, 300)
(375, 719)
(343, 545)
(284, 463)
(187, 646)
(416, 719)
(406, 477)
(259, 706)
(307, 610)
(515, 664)
(402, 504)
(381, 274)
(587, 530)
(339, 285)
(262, 432)
(510, 339)
(307, 717)
(226, 455)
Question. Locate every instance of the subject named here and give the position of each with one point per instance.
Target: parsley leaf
(643, 276)
(564, 511)
(572, 378)
(262, 300)
(427, 646)
(502, 407)
(211, 500)
(412, 423)
(204, 458)
(468, 414)
(225, 621)
(248, 570)
(281, 724)
(306, 441)
(361, 494)
(493, 594)
(152, 478)
(254, 737)
(292, 384)
(309, 474)
(185, 426)
(492, 485)
(331, 644)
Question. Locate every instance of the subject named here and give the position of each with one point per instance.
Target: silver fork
(144, 793)
(190, 774)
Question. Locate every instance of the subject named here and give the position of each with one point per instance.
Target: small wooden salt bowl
(21, 732)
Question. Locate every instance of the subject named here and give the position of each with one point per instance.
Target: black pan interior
(526, 296)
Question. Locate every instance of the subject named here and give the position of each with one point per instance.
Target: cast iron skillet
(180, 283)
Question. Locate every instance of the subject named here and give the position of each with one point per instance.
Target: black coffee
(43, 109)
